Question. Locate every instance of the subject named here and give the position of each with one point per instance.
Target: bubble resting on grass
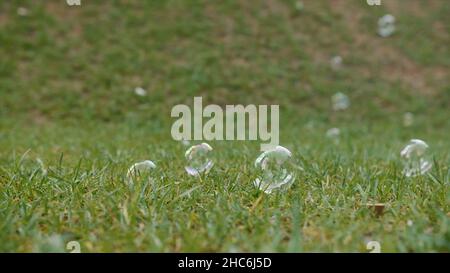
(340, 101)
(274, 167)
(140, 169)
(414, 158)
(386, 25)
(198, 160)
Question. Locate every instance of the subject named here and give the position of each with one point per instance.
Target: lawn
(71, 125)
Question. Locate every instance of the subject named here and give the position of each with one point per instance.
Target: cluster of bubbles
(274, 167)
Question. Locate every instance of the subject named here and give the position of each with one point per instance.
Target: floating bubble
(140, 91)
(340, 101)
(386, 25)
(299, 6)
(140, 169)
(336, 62)
(275, 170)
(408, 119)
(415, 162)
(333, 134)
(21, 11)
(198, 160)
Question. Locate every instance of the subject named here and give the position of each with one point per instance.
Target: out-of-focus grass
(67, 76)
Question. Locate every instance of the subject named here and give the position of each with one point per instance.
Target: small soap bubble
(185, 142)
(21, 11)
(408, 119)
(53, 243)
(334, 134)
(336, 62)
(198, 160)
(299, 6)
(140, 169)
(140, 91)
(415, 159)
(386, 25)
(340, 101)
(275, 170)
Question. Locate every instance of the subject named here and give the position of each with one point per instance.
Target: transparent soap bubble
(340, 101)
(299, 6)
(386, 25)
(415, 160)
(53, 243)
(333, 134)
(198, 160)
(22, 11)
(336, 62)
(140, 91)
(140, 169)
(185, 142)
(275, 170)
(408, 119)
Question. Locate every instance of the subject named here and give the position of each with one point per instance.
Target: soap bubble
(53, 243)
(408, 119)
(275, 170)
(185, 142)
(140, 91)
(198, 160)
(336, 62)
(140, 169)
(340, 101)
(414, 158)
(333, 134)
(299, 6)
(386, 25)
(22, 11)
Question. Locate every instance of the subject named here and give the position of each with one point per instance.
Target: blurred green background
(62, 64)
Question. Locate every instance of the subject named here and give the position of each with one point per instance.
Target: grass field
(71, 125)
